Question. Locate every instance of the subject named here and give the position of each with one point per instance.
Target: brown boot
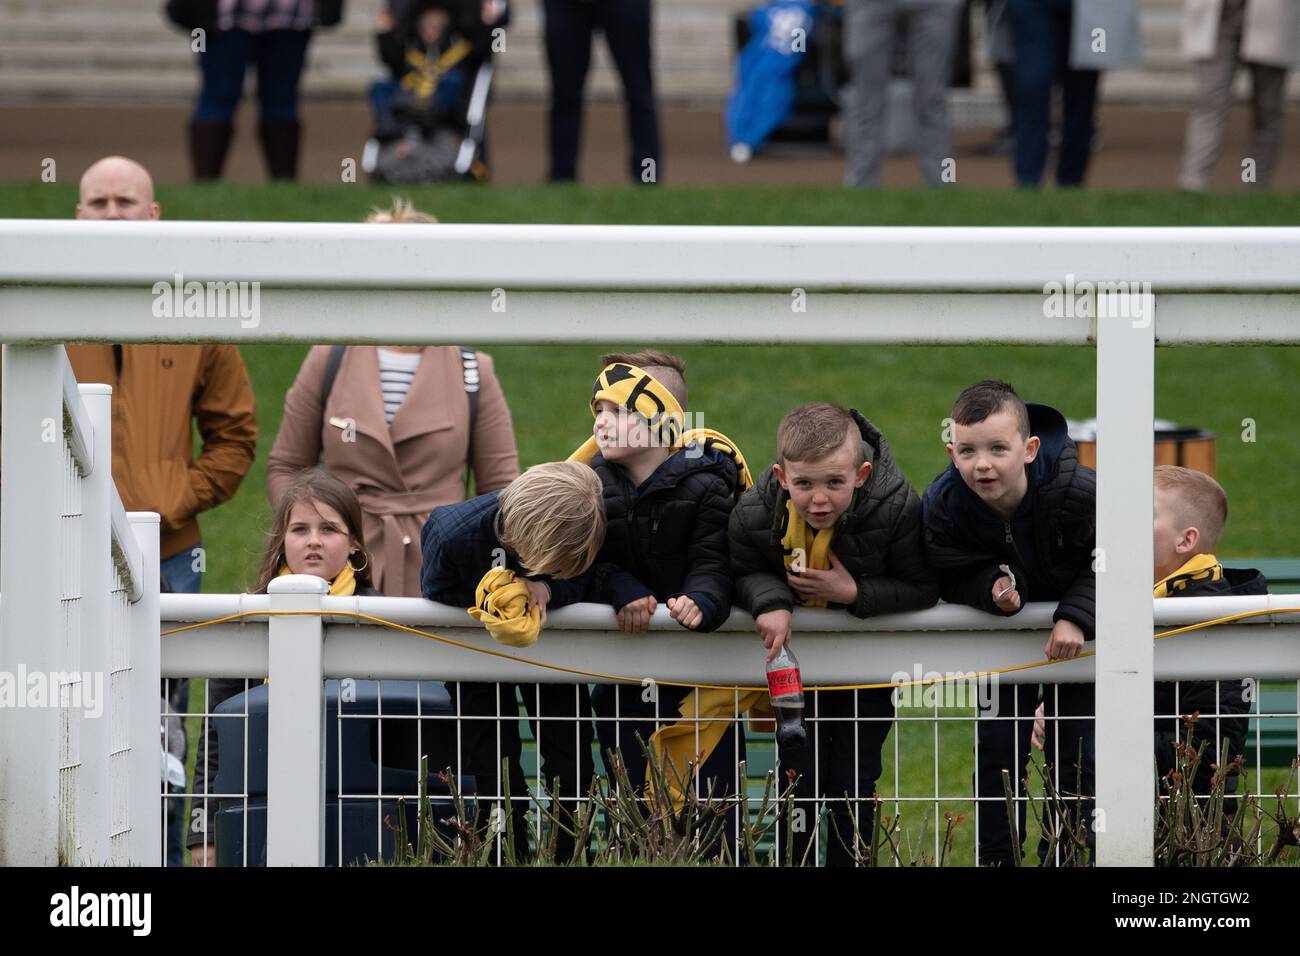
(209, 143)
(280, 147)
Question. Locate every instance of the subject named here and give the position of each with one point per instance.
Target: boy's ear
(864, 472)
(1189, 542)
(951, 454)
(780, 475)
(1031, 448)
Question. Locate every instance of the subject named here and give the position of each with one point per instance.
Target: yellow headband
(636, 390)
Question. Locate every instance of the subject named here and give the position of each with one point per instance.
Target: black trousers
(842, 758)
(1005, 743)
(563, 735)
(570, 25)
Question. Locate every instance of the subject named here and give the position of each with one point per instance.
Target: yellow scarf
(502, 607)
(344, 583)
(1200, 567)
(802, 539)
(636, 390)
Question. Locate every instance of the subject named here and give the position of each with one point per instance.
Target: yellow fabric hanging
(640, 393)
(813, 543)
(502, 607)
(1200, 567)
(676, 744)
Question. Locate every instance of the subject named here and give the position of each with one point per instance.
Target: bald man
(158, 390)
(117, 188)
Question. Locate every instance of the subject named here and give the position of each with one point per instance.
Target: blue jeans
(1042, 40)
(279, 56)
(182, 579)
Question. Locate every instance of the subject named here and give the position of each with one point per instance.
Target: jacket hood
(676, 468)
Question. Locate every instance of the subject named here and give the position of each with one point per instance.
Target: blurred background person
(1065, 43)
(570, 25)
(271, 34)
(1219, 36)
(871, 29)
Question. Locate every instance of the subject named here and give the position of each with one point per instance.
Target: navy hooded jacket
(1048, 543)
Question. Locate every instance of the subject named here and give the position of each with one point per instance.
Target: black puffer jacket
(1048, 542)
(1200, 695)
(669, 536)
(877, 539)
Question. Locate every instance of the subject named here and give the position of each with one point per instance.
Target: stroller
(430, 113)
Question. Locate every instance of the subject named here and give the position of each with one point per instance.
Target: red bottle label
(784, 682)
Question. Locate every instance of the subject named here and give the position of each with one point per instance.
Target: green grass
(744, 390)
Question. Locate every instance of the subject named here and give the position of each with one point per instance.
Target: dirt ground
(1139, 148)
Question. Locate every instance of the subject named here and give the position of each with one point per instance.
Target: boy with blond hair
(546, 527)
(833, 523)
(1190, 512)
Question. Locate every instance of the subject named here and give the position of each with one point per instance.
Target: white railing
(122, 282)
(296, 653)
(78, 618)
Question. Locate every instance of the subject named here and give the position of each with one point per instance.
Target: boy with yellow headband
(668, 491)
(832, 524)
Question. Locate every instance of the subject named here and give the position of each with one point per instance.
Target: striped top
(396, 371)
(259, 16)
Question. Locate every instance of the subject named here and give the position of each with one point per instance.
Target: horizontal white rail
(833, 647)
(323, 282)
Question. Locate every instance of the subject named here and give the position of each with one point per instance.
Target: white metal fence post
(295, 782)
(30, 617)
(97, 580)
(142, 704)
(1125, 775)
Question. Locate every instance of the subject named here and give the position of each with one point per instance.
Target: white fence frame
(563, 284)
(78, 598)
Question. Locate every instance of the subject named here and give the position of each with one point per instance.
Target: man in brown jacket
(157, 391)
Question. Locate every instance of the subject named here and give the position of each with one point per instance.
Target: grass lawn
(744, 390)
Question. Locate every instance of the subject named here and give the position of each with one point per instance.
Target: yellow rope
(668, 683)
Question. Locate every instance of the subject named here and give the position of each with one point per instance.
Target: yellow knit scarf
(805, 545)
(641, 394)
(1200, 567)
(502, 607)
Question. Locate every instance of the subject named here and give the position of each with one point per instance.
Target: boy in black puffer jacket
(1190, 512)
(666, 507)
(837, 499)
(1015, 495)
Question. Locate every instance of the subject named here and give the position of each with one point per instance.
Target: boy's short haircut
(553, 517)
(1198, 502)
(811, 432)
(977, 402)
(667, 368)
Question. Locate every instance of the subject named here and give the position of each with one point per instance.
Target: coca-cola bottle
(785, 687)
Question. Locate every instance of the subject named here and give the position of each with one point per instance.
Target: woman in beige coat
(1219, 36)
(400, 472)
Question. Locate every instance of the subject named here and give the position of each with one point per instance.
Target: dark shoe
(280, 147)
(209, 143)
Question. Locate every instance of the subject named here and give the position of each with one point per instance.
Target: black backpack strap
(331, 372)
(332, 364)
(469, 372)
